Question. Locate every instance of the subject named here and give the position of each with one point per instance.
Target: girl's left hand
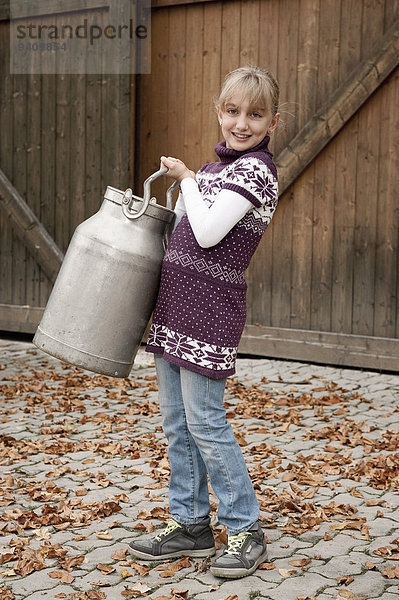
(177, 168)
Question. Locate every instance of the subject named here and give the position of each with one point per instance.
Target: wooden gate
(323, 285)
(62, 141)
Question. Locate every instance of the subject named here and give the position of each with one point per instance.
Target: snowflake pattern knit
(201, 307)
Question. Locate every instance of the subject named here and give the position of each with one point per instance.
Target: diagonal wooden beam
(342, 105)
(29, 229)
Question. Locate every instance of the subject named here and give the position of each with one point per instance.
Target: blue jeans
(201, 442)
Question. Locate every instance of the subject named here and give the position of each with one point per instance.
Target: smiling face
(243, 124)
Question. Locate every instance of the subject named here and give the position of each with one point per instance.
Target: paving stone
(387, 596)
(38, 580)
(286, 546)
(382, 527)
(369, 585)
(340, 545)
(242, 587)
(346, 553)
(50, 594)
(290, 588)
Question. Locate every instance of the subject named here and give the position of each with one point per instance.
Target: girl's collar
(228, 154)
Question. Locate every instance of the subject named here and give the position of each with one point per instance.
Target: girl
(221, 215)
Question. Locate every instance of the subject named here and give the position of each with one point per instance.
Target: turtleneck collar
(227, 155)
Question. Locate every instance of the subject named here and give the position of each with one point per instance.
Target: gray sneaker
(244, 553)
(177, 540)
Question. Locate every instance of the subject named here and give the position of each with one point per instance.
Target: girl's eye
(232, 111)
(256, 115)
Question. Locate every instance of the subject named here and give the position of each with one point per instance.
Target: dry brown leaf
(95, 595)
(179, 594)
(287, 572)
(141, 569)
(345, 580)
(139, 589)
(104, 535)
(338, 526)
(119, 554)
(6, 593)
(267, 566)
(383, 551)
(106, 569)
(63, 576)
(346, 594)
(300, 562)
(72, 561)
(126, 573)
(391, 572)
(169, 570)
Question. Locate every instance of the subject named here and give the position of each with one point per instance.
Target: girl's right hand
(176, 168)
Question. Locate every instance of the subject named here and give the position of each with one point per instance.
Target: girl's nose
(242, 121)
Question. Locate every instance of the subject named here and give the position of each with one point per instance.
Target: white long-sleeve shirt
(210, 224)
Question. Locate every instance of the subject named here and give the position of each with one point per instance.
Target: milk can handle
(169, 195)
(128, 200)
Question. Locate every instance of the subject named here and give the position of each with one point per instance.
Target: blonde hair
(257, 84)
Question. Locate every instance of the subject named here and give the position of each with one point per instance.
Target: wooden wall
(63, 139)
(329, 261)
(324, 282)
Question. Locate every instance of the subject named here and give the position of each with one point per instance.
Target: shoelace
(235, 542)
(171, 526)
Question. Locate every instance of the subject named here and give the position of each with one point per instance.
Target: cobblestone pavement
(84, 471)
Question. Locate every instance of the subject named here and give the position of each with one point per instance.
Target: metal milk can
(106, 289)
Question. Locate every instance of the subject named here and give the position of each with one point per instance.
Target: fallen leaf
(301, 562)
(346, 594)
(345, 579)
(6, 594)
(106, 569)
(8, 573)
(140, 589)
(338, 526)
(179, 594)
(42, 534)
(63, 576)
(70, 562)
(267, 566)
(287, 572)
(169, 570)
(104, 535)
(141, 569)
(390, 572)
(119, 554)
(383, 551)
(125, 573)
